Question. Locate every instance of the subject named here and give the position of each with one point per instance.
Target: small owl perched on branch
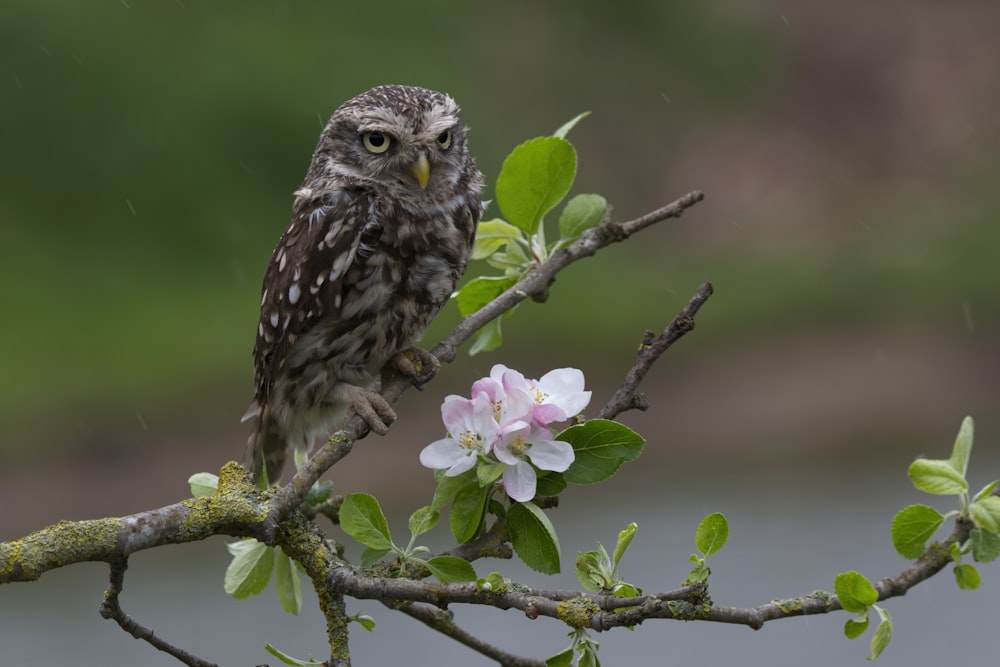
(381, 231)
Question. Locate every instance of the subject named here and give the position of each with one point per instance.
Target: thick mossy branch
(238, 509)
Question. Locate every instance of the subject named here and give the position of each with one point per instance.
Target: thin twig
(111, 609)
(626, 398)
(442, 620)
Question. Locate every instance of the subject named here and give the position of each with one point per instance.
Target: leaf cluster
(534, 180)
(600, 446)
(913, 526)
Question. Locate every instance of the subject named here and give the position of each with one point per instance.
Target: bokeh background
(848, 152)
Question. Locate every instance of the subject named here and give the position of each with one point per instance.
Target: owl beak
(421, 170)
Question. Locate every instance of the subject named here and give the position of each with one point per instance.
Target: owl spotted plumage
(381, 231)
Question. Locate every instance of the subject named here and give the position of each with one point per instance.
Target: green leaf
(534, 179)
(286, 583)
(985, 513)
(250, 569)
(423, 520)
(854, 591)
(563, 658)
(855, 627)
(569, 125)
(203, 484)
(912, 527)
(985, 545)
(967, 577)
(320, 492)
(588, 654)
(963, 447)
(624, 539)
(986, 490)
(491, 235)
(580, 214)
(712, 533)
(488, 472)
(698, 574)
(450, 569)
(550, 484)
(467, 511)
(489, 338)
(362, 518)
(494, 581)
(938, 477)
(533, 537)
(883, 633)
(289, 660)
(371, 556)
(513, 261)
(589, 571)
(625, 590)
(600, 447)
(480, 291)
(447, 487)
(364, 620)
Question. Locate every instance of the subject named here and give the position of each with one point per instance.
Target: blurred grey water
(791, 531)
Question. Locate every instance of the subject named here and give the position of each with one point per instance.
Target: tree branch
(111, 609)
(443, 621)
(603, 612)
(626, 398)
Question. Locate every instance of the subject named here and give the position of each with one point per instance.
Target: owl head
(399, 139)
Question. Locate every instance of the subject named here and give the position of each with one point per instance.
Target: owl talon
(374, 409)
(417, 364)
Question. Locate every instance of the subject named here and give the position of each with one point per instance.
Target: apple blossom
(471, 433)
(507, 421)
(524, 442)
(559, 395)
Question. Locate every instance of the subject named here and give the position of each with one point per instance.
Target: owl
(381, 231)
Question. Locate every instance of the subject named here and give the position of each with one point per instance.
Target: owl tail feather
(266, 449)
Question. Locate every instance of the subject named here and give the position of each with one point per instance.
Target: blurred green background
(848, 155)
(848, 152)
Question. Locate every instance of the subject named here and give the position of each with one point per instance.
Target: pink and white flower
(529, 442)
(472, 430)
(507, 421)
(559, 395)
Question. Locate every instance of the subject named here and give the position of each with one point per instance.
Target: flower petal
(513, 380)
(492, 388)
(455, 412)
(562, 387)
(553, 455)
(441, 454)
(515, 433)
(518, 406)
(520, 481)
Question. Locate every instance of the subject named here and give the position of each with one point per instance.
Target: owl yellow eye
(444, 140)
(376, 142)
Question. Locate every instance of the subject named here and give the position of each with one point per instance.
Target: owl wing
(304, 281)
